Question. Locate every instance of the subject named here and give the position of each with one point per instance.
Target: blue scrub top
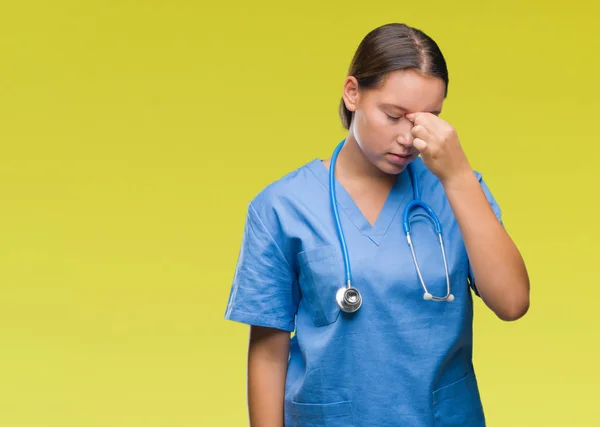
(400, 360)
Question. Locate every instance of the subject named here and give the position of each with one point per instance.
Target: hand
(438, 143)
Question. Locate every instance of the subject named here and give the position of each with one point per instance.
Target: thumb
(420, 145)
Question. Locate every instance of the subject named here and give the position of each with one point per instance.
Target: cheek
(373, 131)
(372, 122)
(370, 126)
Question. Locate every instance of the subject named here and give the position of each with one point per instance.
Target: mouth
(399, 158)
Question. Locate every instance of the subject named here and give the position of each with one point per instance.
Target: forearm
(498, 268)
(266, 381)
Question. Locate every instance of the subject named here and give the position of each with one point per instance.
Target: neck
(352, 164)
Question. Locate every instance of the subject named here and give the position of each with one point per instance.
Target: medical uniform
(398, 361)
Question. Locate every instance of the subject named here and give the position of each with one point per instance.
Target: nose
(405, 137)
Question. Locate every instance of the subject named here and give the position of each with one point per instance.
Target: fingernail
(409, 115)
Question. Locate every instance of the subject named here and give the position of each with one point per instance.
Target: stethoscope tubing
(352, 303)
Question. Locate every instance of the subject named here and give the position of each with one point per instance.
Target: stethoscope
(348, 297)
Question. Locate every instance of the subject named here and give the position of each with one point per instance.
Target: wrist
(461, 179)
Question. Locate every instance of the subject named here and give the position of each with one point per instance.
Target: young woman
(370, 257)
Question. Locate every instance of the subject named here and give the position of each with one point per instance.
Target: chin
(390, 168)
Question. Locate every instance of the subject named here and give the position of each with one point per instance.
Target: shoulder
(281, 195)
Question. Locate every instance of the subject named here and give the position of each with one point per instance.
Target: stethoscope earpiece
(428, 297)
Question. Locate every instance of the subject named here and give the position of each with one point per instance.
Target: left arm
(498, 268)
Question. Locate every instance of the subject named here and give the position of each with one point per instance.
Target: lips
(399, 158)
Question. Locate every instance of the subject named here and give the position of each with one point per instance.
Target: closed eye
(392, 118)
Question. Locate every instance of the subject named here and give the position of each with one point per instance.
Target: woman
(382, 320)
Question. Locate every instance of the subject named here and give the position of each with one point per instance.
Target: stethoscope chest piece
(348, 299)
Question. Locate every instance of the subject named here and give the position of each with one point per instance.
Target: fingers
(411, 116)
(419, 131)
(417, 117)
(431, 122)
(420, 144)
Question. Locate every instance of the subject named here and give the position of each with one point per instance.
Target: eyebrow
(404, 109)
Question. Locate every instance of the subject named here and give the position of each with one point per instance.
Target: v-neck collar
(399, 192)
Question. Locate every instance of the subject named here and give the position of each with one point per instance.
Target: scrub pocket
(338, 414)
(321, 275)
(458, 404)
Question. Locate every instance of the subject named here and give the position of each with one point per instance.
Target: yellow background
(133, 134)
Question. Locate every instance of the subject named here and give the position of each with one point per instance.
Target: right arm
(265, 292)
(268, 352)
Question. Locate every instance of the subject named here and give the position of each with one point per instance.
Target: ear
(351, 94)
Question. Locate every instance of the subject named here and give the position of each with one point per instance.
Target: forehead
(411, 90)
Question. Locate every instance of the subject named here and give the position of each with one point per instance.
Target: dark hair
(389, 48)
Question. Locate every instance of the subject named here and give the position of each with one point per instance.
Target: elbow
(515, 309)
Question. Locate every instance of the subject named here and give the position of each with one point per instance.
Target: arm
(498, 269)
(267, 367)
(265, 292)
